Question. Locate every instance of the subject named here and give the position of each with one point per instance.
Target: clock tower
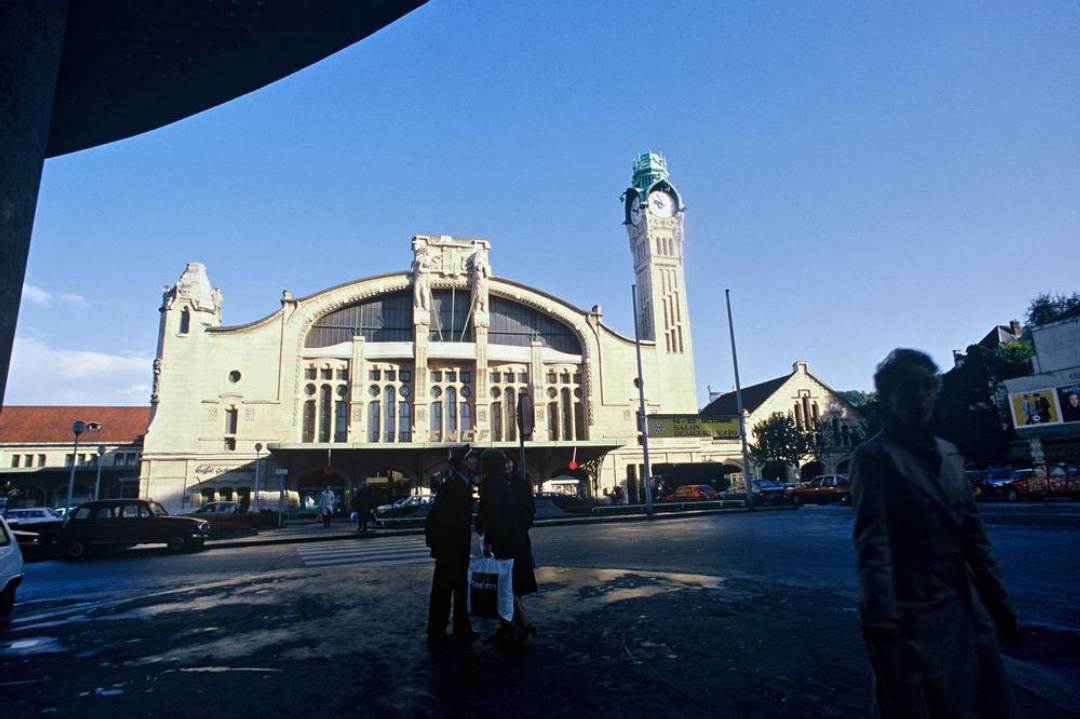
(654, 213)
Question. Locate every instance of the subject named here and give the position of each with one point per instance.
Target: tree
(777, 439)
(1047, 308)
(965, 413)
(857, 398)
(1014, 359)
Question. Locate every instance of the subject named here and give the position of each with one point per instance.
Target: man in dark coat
(932, 601)
(448, 530)
(361, 504)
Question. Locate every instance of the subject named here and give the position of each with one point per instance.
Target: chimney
(800, 367)
(1016, 329)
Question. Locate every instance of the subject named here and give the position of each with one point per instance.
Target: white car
(23, 517)
(11, 569)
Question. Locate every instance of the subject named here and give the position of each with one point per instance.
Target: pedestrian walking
(361, 504)
(326, 506)
(448, 531)
(505, 515)
(932, 601)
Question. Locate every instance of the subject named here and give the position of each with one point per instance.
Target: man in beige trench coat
(931, 598)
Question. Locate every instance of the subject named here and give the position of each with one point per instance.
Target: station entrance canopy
(419, 460)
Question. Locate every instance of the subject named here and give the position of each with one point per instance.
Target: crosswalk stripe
(378, 563)
(363, 550)
(386, 552)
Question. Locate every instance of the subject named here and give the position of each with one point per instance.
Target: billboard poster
(693, 425)
(1034, 409)
(1069, 401)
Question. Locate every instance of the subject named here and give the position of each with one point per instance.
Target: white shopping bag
(491, 588)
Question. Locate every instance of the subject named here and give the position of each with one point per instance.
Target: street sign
(693, 425)
(525, 415)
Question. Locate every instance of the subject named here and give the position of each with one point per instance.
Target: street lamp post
(643, 422)
(739, 406)
(77, 428)
(97, 480)
(258, 449)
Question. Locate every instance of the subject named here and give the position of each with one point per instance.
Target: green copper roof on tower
(649, 168)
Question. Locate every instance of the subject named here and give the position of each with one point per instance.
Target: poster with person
(1069, 399)
(1034, 409)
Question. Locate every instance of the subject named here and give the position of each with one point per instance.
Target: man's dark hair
(892, 368)
(493, 461)
(458, 456)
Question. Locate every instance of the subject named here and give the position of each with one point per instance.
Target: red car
(823, 490)
(691, 493)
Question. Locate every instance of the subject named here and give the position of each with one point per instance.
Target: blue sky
(861, 175)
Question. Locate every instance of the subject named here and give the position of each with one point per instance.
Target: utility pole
(258, 448)
(97, 481)
(77, 428)
(739, 405)
(643, 422)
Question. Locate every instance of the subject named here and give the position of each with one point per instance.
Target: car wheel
(1012, 495)
(76, 549)
(178, 544)
(7, 602)
(198, 544)
(846, 499)
(796, 500)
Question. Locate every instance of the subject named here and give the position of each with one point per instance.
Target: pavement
(758, 620)
(350, 641)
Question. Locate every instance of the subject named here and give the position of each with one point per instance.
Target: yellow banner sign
(693, 425)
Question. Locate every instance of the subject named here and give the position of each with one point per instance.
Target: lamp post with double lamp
(97, 480)
(77, 428)
(258, 449)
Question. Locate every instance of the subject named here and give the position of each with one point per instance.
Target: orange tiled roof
(31, 424)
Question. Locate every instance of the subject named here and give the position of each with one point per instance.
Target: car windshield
(158, 509)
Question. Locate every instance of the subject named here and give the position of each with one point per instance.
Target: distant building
(37, 453)
(998, 336)
(813, 406)
(1044, 407)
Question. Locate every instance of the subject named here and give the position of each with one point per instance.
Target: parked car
(1055, 480)
(126, 522)
(382, 509)
(35, 515)
(225, 518)
(766, 491)
(410, 506)
(11, 569)
(823, 489)
(691, 493)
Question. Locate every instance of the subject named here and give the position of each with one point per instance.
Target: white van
(11, 569)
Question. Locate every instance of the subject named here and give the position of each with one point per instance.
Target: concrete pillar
(482, 399)
(357, 392)
(31, 43)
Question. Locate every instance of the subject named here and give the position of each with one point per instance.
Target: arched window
(568, 415)
(309, 421)
(451, 409)
(496, 421)
(553, 420)
(579, 421)
(386, 318)
(798, 415)
(404, 422)
(518, 325)
(466, 417)
(185, 321)
(436, 416)
(374, 412)
(341, 422)
(325, 404)
(390, 402)
(511, 417)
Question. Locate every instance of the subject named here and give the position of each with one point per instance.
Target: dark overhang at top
(129, 66)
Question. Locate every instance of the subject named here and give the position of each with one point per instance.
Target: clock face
(635, 212)
(662, 204)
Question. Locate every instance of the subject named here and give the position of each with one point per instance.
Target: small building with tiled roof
(37, 453)
(812, 404)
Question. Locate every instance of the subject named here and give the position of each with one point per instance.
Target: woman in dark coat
(503, 520)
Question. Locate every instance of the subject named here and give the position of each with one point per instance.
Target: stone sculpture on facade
(421, 271)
